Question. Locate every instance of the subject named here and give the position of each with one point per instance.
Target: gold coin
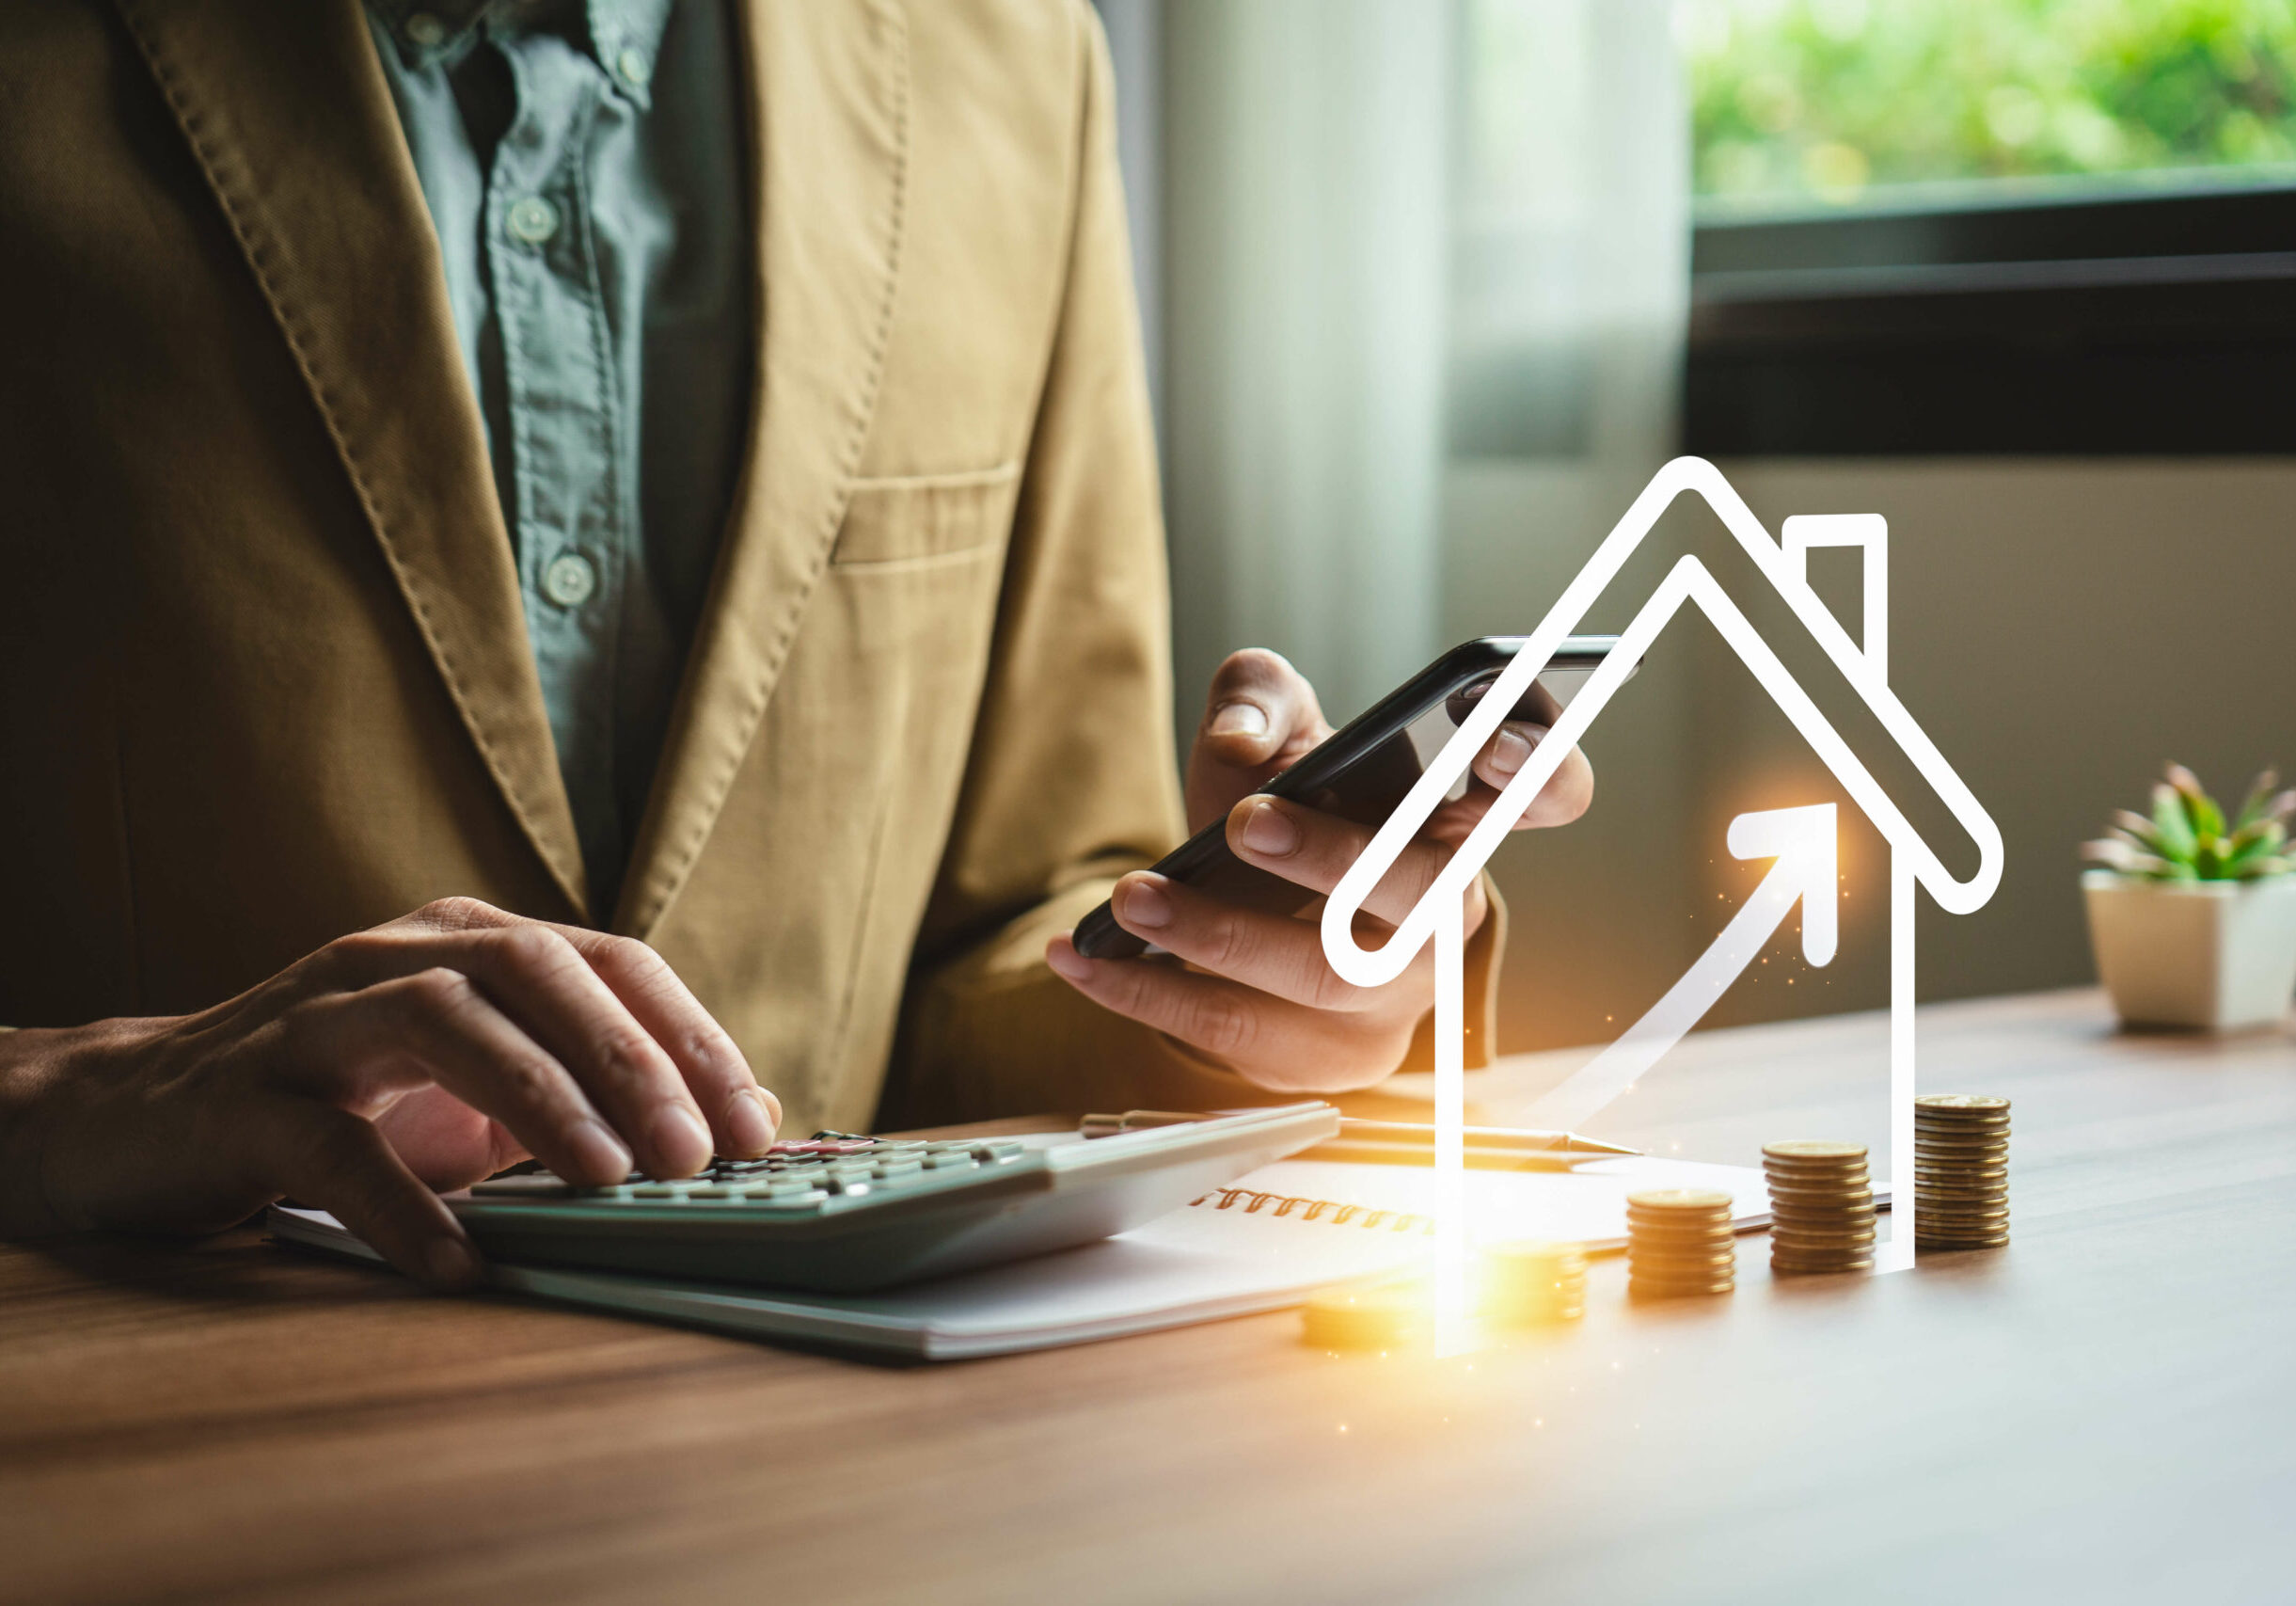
(1683, 1254)
(1813, 1148)
(1639, 1289)
(1670, 1200)
(1644, 1232)
(1683, 1270)
(1822, 1199)
(1368, 1316)
(1824, 1187)
(1807, 1259)
(1977, 1103)
(1531, 1282)
(1534, 1258)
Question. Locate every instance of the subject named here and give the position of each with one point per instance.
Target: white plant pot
(2216, 954)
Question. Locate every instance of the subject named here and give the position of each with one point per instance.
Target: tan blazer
(264, 677)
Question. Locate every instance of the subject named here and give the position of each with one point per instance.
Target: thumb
(1259, 707)
(342, 1164)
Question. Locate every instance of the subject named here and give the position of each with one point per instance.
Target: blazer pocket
(927, 518)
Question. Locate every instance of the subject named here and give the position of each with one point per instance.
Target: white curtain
(1423, 272)
(1569, 284)
(1304, 240)
(1422, 269)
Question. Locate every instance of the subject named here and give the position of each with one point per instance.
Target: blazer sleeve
(1071, 781)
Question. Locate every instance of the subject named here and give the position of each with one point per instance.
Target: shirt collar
(622, 37)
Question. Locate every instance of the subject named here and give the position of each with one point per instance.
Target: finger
(1314, 849)
(1259, 710)
(333, 1159)
(439, 1022)
(1274, 1043)
(538, 976)
(1273, 953)
(743, 1116)
(1561, 800)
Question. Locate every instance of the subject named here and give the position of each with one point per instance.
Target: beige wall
(2060, 628)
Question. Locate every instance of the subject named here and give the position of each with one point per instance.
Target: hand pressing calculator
(846, 1214)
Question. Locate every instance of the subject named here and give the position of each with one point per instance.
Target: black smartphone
(1363, 771)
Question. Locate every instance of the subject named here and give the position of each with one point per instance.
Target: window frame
(2139, 319)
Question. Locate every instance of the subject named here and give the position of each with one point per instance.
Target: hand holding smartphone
(1362, 773)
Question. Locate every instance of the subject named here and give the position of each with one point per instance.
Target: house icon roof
(1863, 664)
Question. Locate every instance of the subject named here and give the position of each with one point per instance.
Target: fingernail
(1144, 904)
(1510, 750)
(681, 1142)
(1239, 719)
(1067, 961)
(1268, 830)
(451, 1263)
(748, 1126)
(601, 1155)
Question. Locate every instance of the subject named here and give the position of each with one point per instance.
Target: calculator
(839, 1213)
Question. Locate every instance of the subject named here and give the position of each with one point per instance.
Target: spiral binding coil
(1341, 1215)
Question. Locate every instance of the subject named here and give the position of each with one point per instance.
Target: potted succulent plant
(2192, 916)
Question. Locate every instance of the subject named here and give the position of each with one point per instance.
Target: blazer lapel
(827, 85)
(287, 115)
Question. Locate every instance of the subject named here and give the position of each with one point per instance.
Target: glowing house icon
(1776, 834)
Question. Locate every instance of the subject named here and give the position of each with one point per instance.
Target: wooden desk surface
(2107, 1410)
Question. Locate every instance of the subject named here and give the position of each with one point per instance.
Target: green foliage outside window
(1803, 101)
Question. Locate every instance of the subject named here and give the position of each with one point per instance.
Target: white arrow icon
(1802, 840)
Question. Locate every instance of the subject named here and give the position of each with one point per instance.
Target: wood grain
(2103, 1410)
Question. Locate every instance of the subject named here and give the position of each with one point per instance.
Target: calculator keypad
(793, 1174)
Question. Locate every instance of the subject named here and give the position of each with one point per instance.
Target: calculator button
(947, 1162)
(993, 1152)
(900, 1168)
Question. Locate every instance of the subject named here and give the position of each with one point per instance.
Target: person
(584, 581)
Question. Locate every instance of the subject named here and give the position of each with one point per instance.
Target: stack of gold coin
(1961, 1171)
(1821, 1206)
(1368, 1316)
(1678, 1241)
(1532, 1284)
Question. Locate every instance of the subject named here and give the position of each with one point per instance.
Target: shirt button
(569, 581)
(633, 66)
(426, 30)
(532, 219)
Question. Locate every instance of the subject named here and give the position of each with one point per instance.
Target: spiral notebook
(1263, 1243)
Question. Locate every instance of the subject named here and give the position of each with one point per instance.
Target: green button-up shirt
(583, 166)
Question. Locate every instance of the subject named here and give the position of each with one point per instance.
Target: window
(1985, 226)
